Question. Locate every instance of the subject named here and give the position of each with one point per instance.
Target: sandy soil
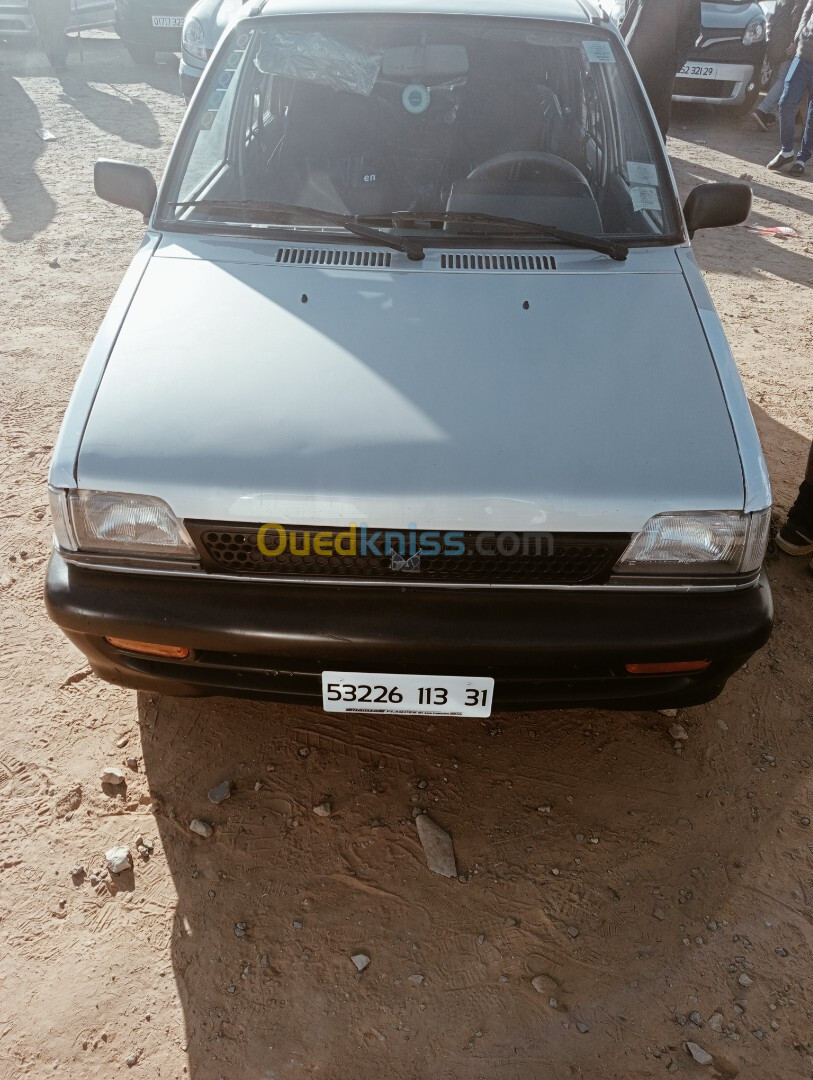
(680, 872)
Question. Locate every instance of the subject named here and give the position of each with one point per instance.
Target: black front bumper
(545, 648)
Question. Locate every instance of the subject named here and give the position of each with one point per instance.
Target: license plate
(414, 695)
(698, 71)
(167, 22)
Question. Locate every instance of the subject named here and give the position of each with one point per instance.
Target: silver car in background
(16, 19)
(202, 29)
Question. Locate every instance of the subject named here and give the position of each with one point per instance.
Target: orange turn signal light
(667, 669)
(150, 648)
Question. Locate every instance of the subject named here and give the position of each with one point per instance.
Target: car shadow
(272, 906)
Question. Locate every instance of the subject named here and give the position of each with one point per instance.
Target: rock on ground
(361, 960)
(118, 859)
(202, 828)
(221, 792)
(437, 846)
(701, 1056)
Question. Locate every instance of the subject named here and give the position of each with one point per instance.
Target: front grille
(330, 257)
(708, 88)
(538, 558)
(455, 261)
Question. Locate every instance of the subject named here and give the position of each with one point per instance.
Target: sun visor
(318, 59)
(425, 63)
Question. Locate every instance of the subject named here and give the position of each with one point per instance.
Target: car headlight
(754, 32)
(192, 39)
(113, 523)
(697, 543)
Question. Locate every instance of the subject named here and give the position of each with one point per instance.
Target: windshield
(456, 118)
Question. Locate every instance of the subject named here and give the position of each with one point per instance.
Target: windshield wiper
(402, 218)
(412, 247)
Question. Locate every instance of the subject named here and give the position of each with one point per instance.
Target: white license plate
(415, 695)
(698, 71)
(167, 21)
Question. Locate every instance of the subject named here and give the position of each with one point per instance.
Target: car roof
(579, 11)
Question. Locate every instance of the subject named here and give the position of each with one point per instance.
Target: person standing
(796, 535)
(660, 35)
(782, 27)
(799, 81)
(51, 17)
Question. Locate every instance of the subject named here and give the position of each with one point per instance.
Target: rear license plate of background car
(166, 22)
(414, 695)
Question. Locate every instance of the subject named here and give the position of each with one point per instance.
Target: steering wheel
(550, 162)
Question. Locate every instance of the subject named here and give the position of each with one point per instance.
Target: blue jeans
(798, 82)
(770, 103)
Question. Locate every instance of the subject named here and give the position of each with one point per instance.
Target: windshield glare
(366, 116)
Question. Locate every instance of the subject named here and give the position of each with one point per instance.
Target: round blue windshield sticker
(415, 99)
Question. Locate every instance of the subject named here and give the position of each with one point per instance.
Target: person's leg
(769, 106)
(796, 535)
(806, 148)
(795, 86)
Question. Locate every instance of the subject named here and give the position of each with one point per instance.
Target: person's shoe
(762, 119)
(793, 542)
(781, 160)
(797, 168)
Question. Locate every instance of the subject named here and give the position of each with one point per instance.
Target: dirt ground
(657, 884)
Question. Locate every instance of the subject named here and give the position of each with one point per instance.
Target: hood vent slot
(333, 257)
(455, 261)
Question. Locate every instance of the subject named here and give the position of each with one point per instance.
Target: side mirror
(711, 206)
(127, 185)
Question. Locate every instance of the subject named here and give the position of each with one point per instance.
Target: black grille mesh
(557, 560)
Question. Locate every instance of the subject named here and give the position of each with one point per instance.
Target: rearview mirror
(124, 184)
(711, 206)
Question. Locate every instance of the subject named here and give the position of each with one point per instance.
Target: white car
(202, 29)
(413, 398)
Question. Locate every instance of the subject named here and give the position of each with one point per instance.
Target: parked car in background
(150, 26)
(202, 29)
(726, 66)
(16, 19)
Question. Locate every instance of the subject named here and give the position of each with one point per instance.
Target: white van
(413, 398)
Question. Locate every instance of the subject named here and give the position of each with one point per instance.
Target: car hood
(731, 15)
(244, 388)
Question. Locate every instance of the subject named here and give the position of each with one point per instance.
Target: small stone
(417, 979)
(112, 776)
(304, 751)
(240, 929)
(545, 809)
(258, 786)
(544, 984)
(361, 960)
(582, 1027)
(118, 859)
(781, 951)
(297, 924)
(202, 828)
(553, 1002)
(231, 989)
(716, 1022)
(573, 931)
(437, 846)
(658, 913)
(211, 894)
(504, 979)
(77, 870)
(696, 1019)
(133, 1058)
(220, 793)
(122, 742)
(422, 785)
(323, 809)
(805, 820)
(511, 921)
(481, 939)
(668, 712)
(758, 1034)
(774, 1025)
(131, 763)
(672, 1067)
(678, 732)
(744, 980)
(701, 1056)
